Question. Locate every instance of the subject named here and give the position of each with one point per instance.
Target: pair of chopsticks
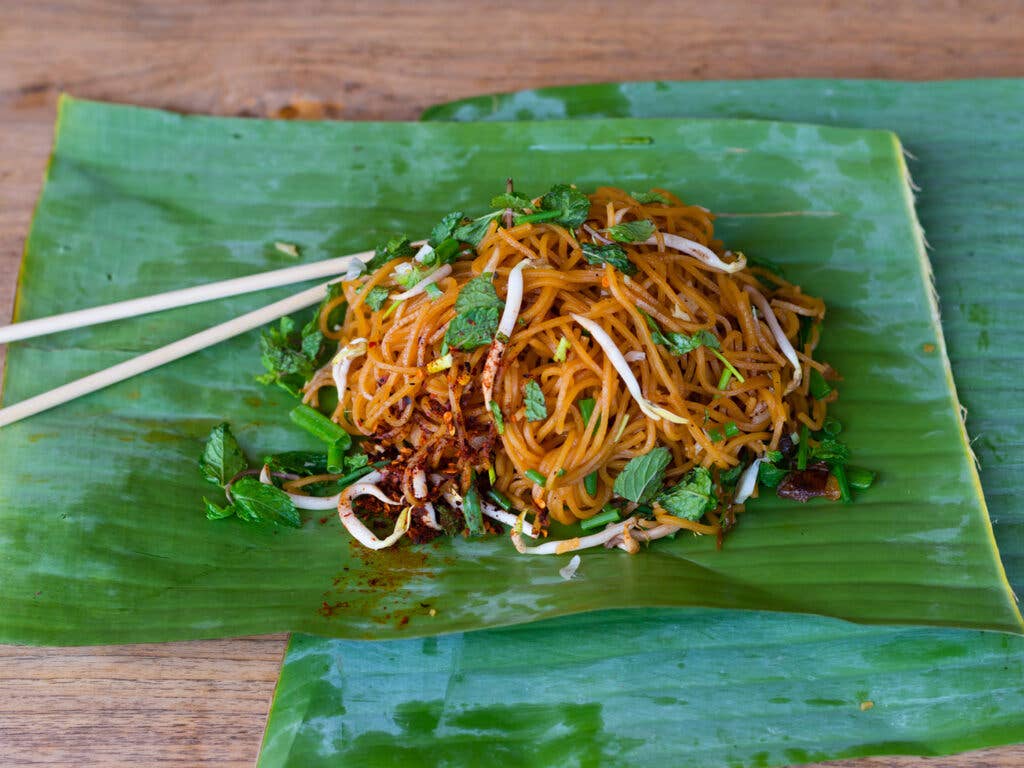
(178, 349)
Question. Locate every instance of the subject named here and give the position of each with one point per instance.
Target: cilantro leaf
(213, 512)
(408, 278)
(691, 497)
(445, 228)
(376, 297)
(395, 248)
(536, 407)
(260, 503)
(632, 231)
(609, 254)
(511, 200)
(641, 478)
(473, 231)
(573, 206)
(646, 198)
(222, 457)
(680, 343)
(832, 451)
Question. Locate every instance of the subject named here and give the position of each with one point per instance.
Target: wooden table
(205, 703)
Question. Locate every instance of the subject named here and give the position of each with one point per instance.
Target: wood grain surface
(205, 703)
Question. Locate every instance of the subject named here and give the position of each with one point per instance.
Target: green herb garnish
(632, 231)
(609, 254)
(396, 248)
(290, 357)
(646, 198)
(819, 388)
(605, 516)
(222, 457)
(478, 311)
(499, 420)
(640, 480)
(536, 476)
(572, 206)
(536, 407)
(376, 297)
(691, 497)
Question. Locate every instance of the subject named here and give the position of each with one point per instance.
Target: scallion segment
(839, 471)
(536, 476)
(607, 515)
(534, 218)
(320, 426)
(590, 483)
(802, 451)
(335, 460)
(500, 499)
(586, 406)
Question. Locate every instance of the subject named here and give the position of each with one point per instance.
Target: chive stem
(608, 515)
(801, 455)
(533, 218)
(844, 485)
(724, 381)
(728, 366)
(536, 476)
(320, 426)
(500, 499)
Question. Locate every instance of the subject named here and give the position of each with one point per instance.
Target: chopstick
(179, 298)
(163, 355)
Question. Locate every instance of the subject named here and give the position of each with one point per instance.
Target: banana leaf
(100, 505)
(714, 688)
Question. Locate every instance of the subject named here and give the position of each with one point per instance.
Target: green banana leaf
(104, 538)
(714, 688)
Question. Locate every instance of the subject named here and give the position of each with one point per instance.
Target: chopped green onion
(773, 456)
(844, 485)
(319, 426)
(832, 427)
(607, 515)
(389, 310)
(818, 387)
(622, 427)
(500, 499)
(715, 435)
(731, 430)
(536, 476)
(433, 291)
(471, 510)
(562, 350)
(801, 455)
(560, 472)
(334, 457)
(860, 478)
(586, 406)
(590, 483)
(728, 366)
(444, 347)
(723, 382)
(499, 420)
(442, 363)
(492, 476)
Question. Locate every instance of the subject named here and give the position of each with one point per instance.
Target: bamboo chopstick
(179, 298)
(163, 355)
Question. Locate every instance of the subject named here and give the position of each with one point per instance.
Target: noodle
(716, 407)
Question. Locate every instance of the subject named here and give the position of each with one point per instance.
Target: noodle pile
(421, 404)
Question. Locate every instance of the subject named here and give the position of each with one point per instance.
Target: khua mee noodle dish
(600, 361)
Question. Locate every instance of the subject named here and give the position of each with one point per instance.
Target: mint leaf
(572, 205)
(609, 254)
(396, 248)
(478, 293)
(472, 329)
(473, 232)
(213, 512)
(691, 497)
(511, 200)
(680, 343)
(376, 297)
(641, 478)
(646, 198)
(259, 503)
(536, 408)
(632, 231)
(290, 357)
(445, 228)
(222, 457)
